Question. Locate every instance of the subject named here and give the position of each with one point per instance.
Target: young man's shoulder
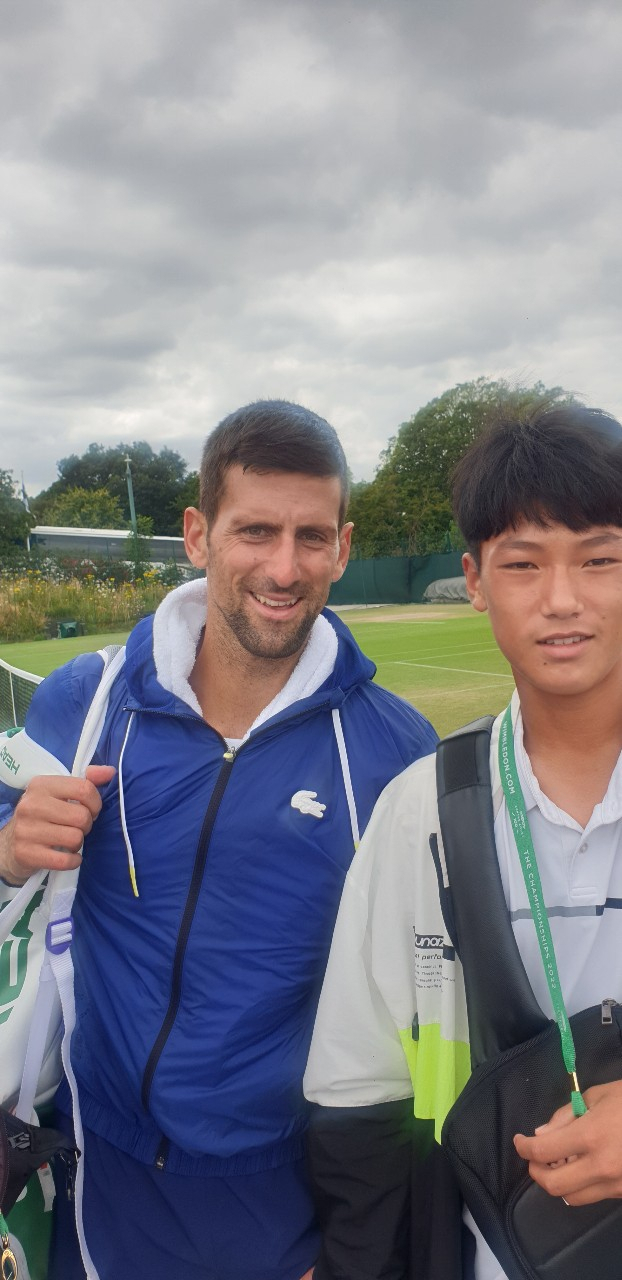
(404, 817)
(409, 800)
(417, 780)
(415, 789)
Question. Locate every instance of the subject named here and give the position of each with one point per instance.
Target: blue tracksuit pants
(144, 1224)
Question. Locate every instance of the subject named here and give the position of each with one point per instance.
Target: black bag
(23, 1148)
(518, 1078)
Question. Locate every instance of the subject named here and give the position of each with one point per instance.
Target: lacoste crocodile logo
(307, 802)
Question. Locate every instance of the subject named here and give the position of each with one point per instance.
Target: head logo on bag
(9, 760)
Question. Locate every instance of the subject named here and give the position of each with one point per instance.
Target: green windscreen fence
(393, 579)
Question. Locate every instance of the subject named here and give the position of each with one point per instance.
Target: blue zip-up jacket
(196, 1001)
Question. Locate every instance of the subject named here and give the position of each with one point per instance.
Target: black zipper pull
(70, 1161)
(606, 1015)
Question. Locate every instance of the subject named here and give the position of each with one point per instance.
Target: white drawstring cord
(126, 834)
(347, 780)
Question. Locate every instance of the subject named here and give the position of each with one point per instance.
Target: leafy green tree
(188, 495)
(379, 522)
(15, 521)
(157, 478)
(79, 508)
(406, 509)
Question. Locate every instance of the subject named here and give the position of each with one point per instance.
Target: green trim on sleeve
(439, 1070)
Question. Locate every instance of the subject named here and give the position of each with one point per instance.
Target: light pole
(130, 494)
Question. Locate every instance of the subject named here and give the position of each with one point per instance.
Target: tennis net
(16, 690)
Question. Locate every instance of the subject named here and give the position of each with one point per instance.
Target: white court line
(433, 666)
(464, 651)
(465, 688)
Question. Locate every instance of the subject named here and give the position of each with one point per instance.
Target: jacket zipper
(184, 933)
(230, 755)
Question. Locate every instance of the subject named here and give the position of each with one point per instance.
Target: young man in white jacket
(539, 500)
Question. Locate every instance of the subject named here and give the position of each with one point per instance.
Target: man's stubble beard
(254, 641)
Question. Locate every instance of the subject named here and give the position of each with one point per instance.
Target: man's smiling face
(271, 554)
(555, 602)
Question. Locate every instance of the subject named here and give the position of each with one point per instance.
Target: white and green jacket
(391, 1024)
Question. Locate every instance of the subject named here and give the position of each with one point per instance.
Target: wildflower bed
(32, 604)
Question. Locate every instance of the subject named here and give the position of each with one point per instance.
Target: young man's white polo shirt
(581, 874)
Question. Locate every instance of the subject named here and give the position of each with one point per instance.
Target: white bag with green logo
(37, 1011)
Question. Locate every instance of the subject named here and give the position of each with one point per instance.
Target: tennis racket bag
(23, 1146)
(518, 1077)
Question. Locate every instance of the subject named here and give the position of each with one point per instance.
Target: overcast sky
(350, 203)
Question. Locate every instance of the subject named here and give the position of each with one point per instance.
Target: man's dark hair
(271, 435)
(545, 463)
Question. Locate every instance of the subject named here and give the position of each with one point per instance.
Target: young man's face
(555, 604)
(271, 554)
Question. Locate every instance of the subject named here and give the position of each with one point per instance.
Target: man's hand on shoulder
(50, 822)
(580, 1158)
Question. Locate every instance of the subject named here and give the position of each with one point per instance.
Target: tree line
(404, 510)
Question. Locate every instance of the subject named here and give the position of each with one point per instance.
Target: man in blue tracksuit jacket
(243, 750)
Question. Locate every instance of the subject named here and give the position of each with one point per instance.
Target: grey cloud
(335, 200)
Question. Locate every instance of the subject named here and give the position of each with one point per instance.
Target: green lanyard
(527, 857)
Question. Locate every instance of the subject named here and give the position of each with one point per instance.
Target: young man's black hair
(546, 463)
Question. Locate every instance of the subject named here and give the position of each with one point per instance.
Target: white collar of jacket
(177, 627)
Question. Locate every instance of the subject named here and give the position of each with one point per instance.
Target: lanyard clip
(8, 1261)
(576, 1098)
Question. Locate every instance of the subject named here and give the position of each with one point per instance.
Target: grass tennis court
(43, 656)
(441, 658)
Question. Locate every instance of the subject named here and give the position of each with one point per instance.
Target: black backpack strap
(502, 1009)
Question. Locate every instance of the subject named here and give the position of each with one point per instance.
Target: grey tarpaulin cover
(446, 589)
